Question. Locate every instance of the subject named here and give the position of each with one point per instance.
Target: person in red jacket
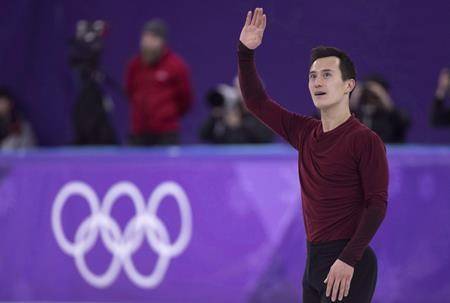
(342, 166)
(158, 87)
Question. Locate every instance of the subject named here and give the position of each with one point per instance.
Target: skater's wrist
(244, 51)
(348, 260)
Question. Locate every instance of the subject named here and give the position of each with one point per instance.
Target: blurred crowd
(158, 87)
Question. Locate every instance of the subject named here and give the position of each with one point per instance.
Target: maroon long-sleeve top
(343, 172)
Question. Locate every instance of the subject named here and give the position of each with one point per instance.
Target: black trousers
(320, 258)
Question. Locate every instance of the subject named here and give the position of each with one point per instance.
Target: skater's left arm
(374, 175)
(373, 171)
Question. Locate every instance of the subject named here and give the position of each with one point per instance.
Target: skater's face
(325, 83)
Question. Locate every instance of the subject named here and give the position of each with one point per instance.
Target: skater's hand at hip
(338, 280)
(253, 30)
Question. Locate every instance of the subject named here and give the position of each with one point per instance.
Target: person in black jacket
(440, 115)
(229, 122)
(373, 105)
(15, 131)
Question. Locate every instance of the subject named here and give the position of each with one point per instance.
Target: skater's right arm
(285, 123)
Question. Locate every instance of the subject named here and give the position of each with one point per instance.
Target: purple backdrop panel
(200, 225)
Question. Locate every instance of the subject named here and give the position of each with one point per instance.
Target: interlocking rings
(122, 245)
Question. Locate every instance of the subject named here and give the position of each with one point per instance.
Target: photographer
(374, 107)
(440, 116)
(15, 132)
(229, 122)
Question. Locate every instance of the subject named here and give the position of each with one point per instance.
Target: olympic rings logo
(122, 245)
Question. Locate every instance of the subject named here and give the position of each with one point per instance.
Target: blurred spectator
(15, 132)
(91, 111)
(159, 89)
(440, 116)
(372, 104)
(229, 122)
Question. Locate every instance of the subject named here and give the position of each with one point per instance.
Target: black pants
(320, 258)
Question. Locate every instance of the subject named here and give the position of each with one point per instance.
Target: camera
(222, 96)
(92, 108)
(87, 45)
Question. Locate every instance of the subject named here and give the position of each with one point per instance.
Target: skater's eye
(326, 75)
(312, 76)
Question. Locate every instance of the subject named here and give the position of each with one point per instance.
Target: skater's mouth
(319, 93)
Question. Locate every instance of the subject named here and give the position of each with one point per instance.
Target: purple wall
(406, 42)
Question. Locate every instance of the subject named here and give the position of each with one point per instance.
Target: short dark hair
(157, 27)
(346, 65)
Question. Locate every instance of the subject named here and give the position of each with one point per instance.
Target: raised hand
(253, 30)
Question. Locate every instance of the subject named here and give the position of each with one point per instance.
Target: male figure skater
(342, 167)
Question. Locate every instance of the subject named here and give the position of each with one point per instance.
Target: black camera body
(87, 45)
